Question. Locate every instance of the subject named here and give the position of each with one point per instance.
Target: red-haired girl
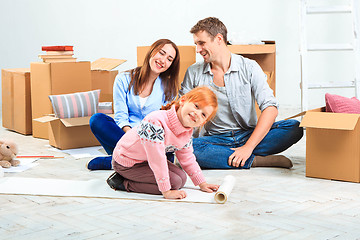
(139, 158)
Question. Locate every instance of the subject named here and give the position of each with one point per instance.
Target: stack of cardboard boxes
(27, 108)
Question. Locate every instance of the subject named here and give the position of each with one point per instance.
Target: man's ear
(219, 38)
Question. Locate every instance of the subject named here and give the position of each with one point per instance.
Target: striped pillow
(80, 104)
(105, 107)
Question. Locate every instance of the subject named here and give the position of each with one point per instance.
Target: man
(235, 138)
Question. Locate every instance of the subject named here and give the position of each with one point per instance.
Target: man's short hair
(212, 26)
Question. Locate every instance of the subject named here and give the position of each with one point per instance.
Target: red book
(57, 48)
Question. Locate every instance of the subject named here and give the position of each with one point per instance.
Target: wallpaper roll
(222, 195)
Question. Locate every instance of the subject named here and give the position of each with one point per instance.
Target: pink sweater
(159, 132)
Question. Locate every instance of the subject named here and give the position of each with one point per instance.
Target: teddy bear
(8, 152)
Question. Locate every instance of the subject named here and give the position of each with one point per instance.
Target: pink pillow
(339, 104)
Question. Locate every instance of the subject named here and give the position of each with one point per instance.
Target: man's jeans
(214, 151)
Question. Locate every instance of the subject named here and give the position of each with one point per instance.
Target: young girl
(139, 158)
(137, 92)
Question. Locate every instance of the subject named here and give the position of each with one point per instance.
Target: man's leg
(282, 135)
(214, 151)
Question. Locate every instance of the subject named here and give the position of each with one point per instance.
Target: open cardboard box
(53, 79)
(103, 77)
(69, 133)
(332, 145)
(68, 77)
(16, 100)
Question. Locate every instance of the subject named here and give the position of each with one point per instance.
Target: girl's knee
(178, 180)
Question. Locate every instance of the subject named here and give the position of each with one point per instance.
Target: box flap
(75, 122)
(79, 121)
(45, 119)
(106, 64)
(322, 109)
(339, 121)
(19, 70)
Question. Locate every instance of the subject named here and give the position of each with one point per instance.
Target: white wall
(114, 28)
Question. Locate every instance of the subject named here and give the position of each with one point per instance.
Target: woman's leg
(108, 133)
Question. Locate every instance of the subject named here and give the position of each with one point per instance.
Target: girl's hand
(206, 187)
(174, 194)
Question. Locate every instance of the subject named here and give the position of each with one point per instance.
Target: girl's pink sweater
(159, 132)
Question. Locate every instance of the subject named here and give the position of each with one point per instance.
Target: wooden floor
(266, 203)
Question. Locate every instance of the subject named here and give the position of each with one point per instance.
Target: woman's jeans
(106, 131)
(213, 151)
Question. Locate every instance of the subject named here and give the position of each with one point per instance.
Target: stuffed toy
(8, 152)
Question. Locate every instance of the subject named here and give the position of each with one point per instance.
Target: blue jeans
(214, 151)
(108, 133)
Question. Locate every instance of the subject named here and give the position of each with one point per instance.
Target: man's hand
(206, 187)
(174, 194)
(239, 157)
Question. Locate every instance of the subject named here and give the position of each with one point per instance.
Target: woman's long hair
(140, 75)
(201, 95)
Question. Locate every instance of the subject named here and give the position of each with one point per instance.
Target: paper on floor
(78, 153)
(25, 164)
(89, 188)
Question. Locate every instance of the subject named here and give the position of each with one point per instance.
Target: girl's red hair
(203, 96)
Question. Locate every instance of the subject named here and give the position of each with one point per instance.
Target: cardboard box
(264, 55)
(187, 58)
(16, 100)
(103, 77)
(51, 79)
(69, 133)
(332, 145)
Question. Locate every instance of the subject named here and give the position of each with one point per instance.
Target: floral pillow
(339, 104)
(80, 104)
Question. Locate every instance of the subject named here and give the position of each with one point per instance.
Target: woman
(137, 92)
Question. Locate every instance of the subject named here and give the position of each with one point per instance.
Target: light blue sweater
(128, 111)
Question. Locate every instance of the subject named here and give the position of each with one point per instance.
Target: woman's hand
(174, 194)
(206, 187)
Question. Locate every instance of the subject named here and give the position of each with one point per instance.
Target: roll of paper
(222, 195)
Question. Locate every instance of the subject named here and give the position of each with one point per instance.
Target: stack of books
(58, 54)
